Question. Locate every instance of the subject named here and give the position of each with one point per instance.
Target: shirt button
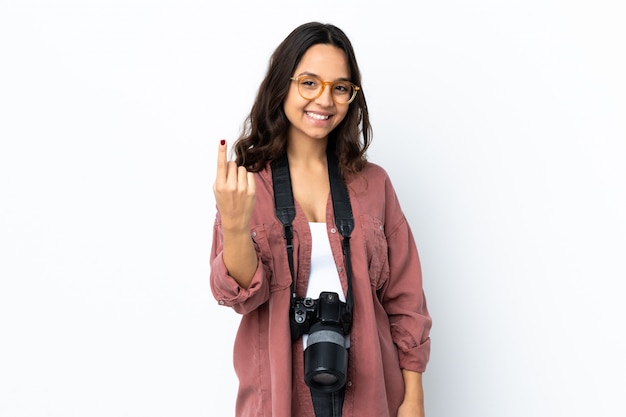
(253, 235)
(221, 302)
(340, 269)
(349, 383)
(333, 230)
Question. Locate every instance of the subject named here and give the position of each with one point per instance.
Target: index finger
(222, 162)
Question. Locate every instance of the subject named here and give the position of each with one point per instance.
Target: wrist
(236, 229)
(413, 390)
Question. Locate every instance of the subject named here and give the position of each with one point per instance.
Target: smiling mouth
(317, 116)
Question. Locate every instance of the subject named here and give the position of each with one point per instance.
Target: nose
(326, 98)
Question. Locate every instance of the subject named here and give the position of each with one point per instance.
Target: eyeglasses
(311, 87)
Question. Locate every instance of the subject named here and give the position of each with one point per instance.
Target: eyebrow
(317, 76)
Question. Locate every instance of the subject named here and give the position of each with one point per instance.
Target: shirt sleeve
(402, 295)
(225, 289)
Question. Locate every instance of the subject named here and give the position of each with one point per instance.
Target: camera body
(327, 309)
(326, 320)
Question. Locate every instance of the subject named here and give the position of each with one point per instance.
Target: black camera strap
(286, 213)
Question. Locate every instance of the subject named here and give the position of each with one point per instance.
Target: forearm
(239, 256)
(413, 404)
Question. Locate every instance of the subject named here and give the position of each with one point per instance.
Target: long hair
(264, 133)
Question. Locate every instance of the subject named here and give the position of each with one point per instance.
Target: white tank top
(323, 275)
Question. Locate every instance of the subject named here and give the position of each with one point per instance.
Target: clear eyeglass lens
(310, 88)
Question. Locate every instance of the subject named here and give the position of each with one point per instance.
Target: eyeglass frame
(355, 88)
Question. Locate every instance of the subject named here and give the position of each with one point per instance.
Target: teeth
(317, 116)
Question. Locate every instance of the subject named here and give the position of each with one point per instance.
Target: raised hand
(235, 195)
(234, 190)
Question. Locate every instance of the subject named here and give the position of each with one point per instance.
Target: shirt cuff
(415, 359)
(227, 291)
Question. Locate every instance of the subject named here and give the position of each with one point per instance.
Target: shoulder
(371, 176)
(373, 189)
(264, 197)
(264, 176)
(374, 170)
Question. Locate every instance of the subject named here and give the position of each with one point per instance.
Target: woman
(309, 110)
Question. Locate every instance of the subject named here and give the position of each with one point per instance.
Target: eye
(309, 82)
(342, 88)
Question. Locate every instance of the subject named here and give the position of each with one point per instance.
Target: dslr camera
(327, 321)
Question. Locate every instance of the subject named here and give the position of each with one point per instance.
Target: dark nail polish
(222, 142)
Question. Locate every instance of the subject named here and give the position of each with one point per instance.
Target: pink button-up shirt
(391, 323)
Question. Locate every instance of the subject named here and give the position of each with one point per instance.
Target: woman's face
(315, 119)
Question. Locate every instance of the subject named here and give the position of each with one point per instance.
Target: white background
(501, 123)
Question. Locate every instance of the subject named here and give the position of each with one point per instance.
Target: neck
(306, 153)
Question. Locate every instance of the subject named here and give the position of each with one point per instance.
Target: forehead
(324, 60)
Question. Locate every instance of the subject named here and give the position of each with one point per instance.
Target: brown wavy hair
(264, 133)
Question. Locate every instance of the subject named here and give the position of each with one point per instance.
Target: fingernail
(222, 142)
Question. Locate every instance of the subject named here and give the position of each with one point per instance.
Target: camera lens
(325, 358)
(323, 378)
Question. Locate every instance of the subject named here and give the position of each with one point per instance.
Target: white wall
(501, 124)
